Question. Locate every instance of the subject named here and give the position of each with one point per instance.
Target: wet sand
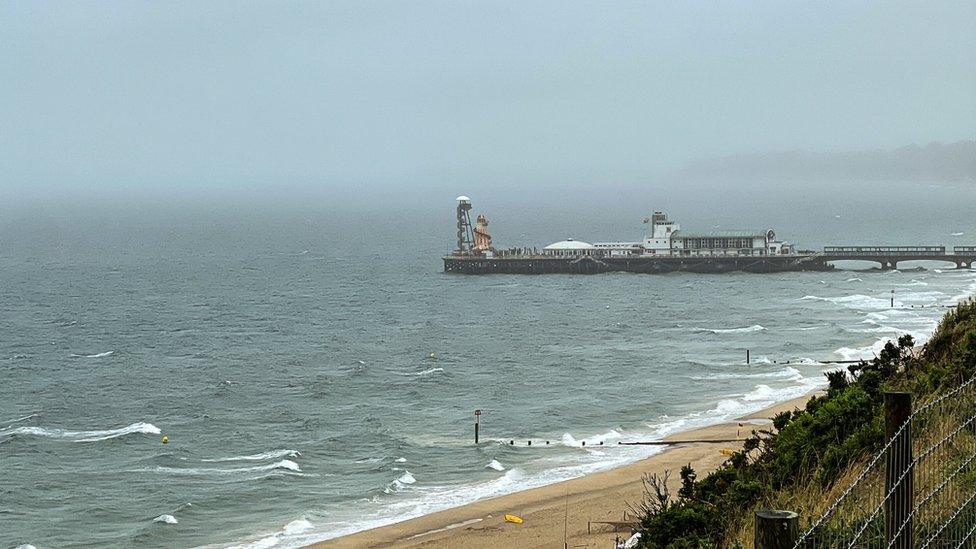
(570, 506)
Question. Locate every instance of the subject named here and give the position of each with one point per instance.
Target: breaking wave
(785, 373)
(273, 454)
(166, 519)
(285, 464)
(753, 328)
(83, 436)
(423, 373)
(856, 301)
(96, 355)
(400, 483)
(495, 464)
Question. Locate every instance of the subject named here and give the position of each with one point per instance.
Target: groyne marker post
(899, 471)
(747, 356)
(477, 424)
(776, 529)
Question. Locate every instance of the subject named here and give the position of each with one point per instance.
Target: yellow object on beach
(514, 519)
(727, 451)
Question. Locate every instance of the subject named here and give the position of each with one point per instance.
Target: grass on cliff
(810, 455)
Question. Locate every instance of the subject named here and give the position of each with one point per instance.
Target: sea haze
(316, 373)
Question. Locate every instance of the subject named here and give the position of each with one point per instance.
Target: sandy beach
(575, 504)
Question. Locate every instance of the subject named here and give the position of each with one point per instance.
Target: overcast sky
(400, 95)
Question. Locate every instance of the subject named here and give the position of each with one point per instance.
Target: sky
(390, 98)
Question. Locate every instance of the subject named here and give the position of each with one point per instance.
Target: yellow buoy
(431, 355)
(165, 439)
(514, 519)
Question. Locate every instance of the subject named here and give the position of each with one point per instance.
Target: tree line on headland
(933, 163)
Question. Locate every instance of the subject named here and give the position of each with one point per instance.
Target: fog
(393, 104)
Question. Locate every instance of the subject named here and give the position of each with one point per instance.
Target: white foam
(96, 355)
(400, 483)
(273, 454)
(856, 301)
(83, 436)
(400, 460)
(166, 519)
(25, 546)
(286, 464)
(785, 373)
(407, 478)
(494, 464)
(18, 420)
(423, 373)
(956, 234)
(297, 527)
(855, 279)
(612, 435)
(753, 328)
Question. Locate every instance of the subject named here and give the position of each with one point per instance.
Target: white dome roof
(570, 244)
(464, 198)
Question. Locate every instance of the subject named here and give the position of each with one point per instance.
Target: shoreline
(573, 504)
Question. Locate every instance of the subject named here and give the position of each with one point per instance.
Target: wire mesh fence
(919, 490)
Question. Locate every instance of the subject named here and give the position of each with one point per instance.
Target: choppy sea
(316, 374)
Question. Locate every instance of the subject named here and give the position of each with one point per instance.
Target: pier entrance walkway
(890, 256)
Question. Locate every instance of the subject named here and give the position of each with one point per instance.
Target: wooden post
(892, 299)
(899, 472)
(477, 424)
(776, 529)
(747, 356)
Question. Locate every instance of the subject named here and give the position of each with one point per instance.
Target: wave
(855, 279)
(166, 519)
(595, 440)
(424, 373)
(273, 454)
(956, 234)
(785, 373)
(297, 527)
(18, 420)
(83, 436)
(753, 328)
(96, 355)
(400, 483)
(285, 464)
(856, 301)
(496, 465)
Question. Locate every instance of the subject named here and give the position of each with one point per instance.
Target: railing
(919, 490)
(964, 249)
(885, 250)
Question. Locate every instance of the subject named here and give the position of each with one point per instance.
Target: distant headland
(935, 162)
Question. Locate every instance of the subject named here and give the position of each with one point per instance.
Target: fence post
(898, 465)
(776, 529)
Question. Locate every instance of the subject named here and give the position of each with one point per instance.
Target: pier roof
(722, 234)
(570, 244)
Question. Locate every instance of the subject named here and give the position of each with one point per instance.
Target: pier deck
(887, 257)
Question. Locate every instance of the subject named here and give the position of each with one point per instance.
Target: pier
(664, 247)
(530, 262)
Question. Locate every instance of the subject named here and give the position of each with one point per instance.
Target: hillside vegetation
(809, 455)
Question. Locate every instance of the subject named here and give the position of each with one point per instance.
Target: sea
(316, 373)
